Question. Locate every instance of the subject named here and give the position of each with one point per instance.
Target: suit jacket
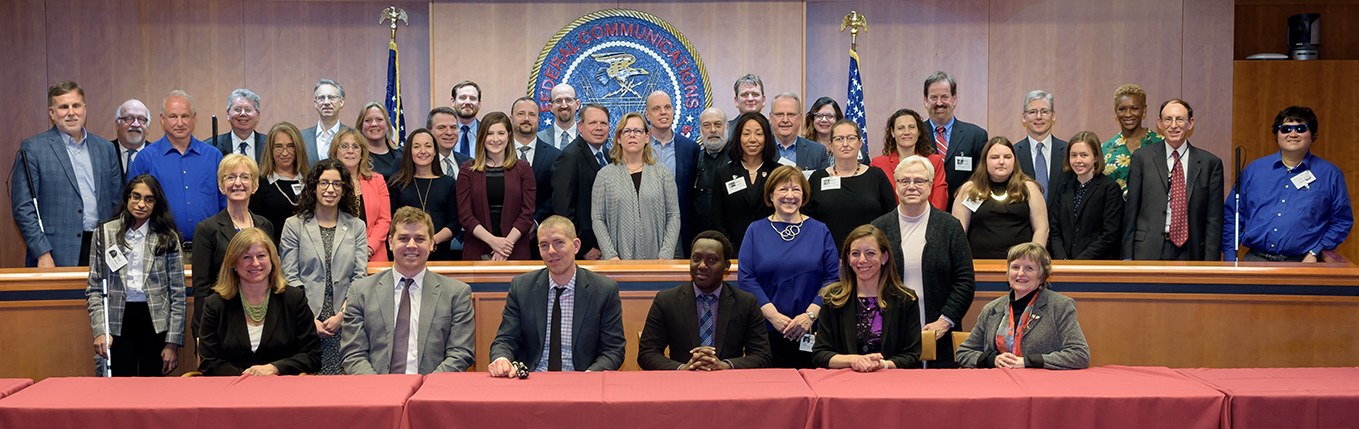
(309, 138)
(573, 182)
(544, 155)
(967, 140)
(837, 333)
(118, 153)
(289, 340)
(377, 212)
(59, 196)
(812, 155)
(163, 283)
(635, 223)
(474, 209)
(1094, 232)
(211, 237)
(686, 174)
(733, 213)
(1057, 153)
(301, 249)
(1052, 340)
(545, 134)
(223, 143)
(946, 270)
(445, 338)
(459, 159)
(596, 332)
(739, 333)
(1144, 219)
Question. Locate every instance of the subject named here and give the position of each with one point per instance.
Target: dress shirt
(412, 343)
(452, 160)
(128, 156)
(1047, 157)
(912, 251)
(323, 137)
(665, 150)
(136, 275)
(472, 128)
(250, 144)
(528, 155)
(1170, 169)
(189, 180)
(1281, 219)
(595, 151)
(948, 131)
(698, 304)
(789, 153)
(568, 321)
(79, 152)
(557, 134)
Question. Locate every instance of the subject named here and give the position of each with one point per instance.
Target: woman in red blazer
(905, 136)
(496, 196)
(348, 147)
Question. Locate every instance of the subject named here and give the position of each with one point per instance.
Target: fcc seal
(616, 57)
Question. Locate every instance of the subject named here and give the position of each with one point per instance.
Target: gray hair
(1037, 94)
(792, 96)
(246, 94)
(748, 79)
(915, 159)
(178, 93)
(941, 76)
(118, 113)
(328, 82)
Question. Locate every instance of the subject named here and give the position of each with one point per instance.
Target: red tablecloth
(1286, 397)
(10, 385)
(1105, 397)
(211, 402)
(745, 399)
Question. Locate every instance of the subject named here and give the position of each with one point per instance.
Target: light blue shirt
(665, 151)
(568, 320)
(79, 152)
(789, 153)
(136, 271)
(948, 128)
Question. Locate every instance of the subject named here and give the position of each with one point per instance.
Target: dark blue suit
(54, 180)
(223, 143)
(543, 157)
(1024, 153)
(686, 173)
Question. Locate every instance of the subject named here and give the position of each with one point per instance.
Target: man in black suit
(562, 318)
(1039, 147)
(1174, 202)
(708, 324)
(243, 111)
(680, 155)
(530, 147)
(131, 122)
(713, 122)
(573, 175)
(442, 121)
(960, 142)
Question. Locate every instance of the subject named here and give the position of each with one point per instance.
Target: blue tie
(462, 147)
(599, 156)
(565, 140)
(1040, 171)
(705, 323)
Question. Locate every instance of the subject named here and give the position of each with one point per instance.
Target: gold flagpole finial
(854, 21)
(394, 13)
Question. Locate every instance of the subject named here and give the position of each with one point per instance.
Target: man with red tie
(1174, 207)
(960, 142)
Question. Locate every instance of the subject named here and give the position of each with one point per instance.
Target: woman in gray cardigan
(635, 207)
(1031, 327)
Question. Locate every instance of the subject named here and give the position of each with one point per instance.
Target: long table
(1302, 398)
(10, 385)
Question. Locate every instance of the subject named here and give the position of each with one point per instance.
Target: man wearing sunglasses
(1294, 205)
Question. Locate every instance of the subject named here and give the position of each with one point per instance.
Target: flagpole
(395, 110)
(854, 102)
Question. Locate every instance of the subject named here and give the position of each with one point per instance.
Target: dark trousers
(136, 353)
(1253, 256)
(84, 258)
(1171, 252)
(785, 353)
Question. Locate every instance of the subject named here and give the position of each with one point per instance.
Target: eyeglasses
(562, 101)
(241, 111)
(325, 98)
(907, 183)
(238, 178)
(824, 116)
(845, 139)
(1038, 112)
(1285, 129)
(132, 120)
(285, 149)
(633, 131)
(326, 184)
(350, 146)
(1175, 120)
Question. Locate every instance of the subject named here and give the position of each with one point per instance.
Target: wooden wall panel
(1207, 74)
(1263, 28)
(23, 25)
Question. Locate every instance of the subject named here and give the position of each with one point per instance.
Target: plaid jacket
(164, 285)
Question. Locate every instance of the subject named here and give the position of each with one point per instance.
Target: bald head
(713, 122)
(564, 105)
(660, 113)
(131, 120)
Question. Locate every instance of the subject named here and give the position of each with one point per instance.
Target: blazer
(223, 143)
(163, 284)
(573, 182)
(1144, 216)
(1056, 175)
(445, 337)
(289, 340)
(377, 213)
(544, 155)
(209, 249)
(1094, 232)
(837, 333)
(733, 213)
(474, 209)
(309, 138)
(1052, 340)
(59, 196)
(303, 258)
(686, 174)
(946, 270)
(967, 141)
(635, 223)
(739, 333)
(596, 331)
(812, 155)
(545, 134)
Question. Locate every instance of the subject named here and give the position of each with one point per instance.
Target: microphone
(32, 192)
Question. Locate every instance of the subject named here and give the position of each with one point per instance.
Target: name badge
(972, 204)
(829, 183)
(114, 259)
(297, 188)
(962, 163)
(1301, 180)
(788, 162)
(736, 185)
(807, 174)
(808, 340)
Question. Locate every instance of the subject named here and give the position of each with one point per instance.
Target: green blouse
(1117, 156)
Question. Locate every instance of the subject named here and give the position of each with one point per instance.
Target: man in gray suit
(1174, 202)
(329, 98)
(406, 319)
(562, 318)
(77, 180)
(786, 117)
(960, 142)
(243, 111)
(564, 106)
(1040, 147)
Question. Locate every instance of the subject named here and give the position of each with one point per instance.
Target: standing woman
(848, 194)
(375, 205)
(787, 257)
(497, 196)
(635, 206)
(421, 183)
(997, 206)
(324, 248)
(145, 284)
(824, 113)
(238, 179)
(903, 138)
(870, 321)
(1130, 108)
(383, 152)
(281, 176)
(738, 186)
(1085, 216)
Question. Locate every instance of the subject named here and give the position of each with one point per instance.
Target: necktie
(940, 141)
(462, 147)
(448, 165)
(566, 139)
(523, 153)
(599, 156)
(131, 156)
(242, 148)
(403, 330)
(705, 323)
(1040, 171)
(1179, 205)
(554, 347)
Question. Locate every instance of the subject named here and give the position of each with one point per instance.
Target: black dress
(858, 201)
(998, 225)
(276, 202)
(437, 197)
(386, 164)
(734, 211)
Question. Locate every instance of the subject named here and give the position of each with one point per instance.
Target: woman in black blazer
(1086, 213)
(869, 320)
(254, 323)
(238, 179)
(738, 186)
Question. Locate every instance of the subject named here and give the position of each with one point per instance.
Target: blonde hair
(230, 162)
(558, 221)
(648, 153)
(300, 161)
(1130, 90)
(890, 290)
(358, 123)
(365, 168)
(229, 282)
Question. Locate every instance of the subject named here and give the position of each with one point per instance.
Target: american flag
(395, 110)
(854, 106)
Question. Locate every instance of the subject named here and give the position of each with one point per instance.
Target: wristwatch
(811, 315)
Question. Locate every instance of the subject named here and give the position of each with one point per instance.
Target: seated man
(542, 305)
(707, 323)
(416, 302)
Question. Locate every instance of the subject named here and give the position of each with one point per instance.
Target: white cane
(108, 344)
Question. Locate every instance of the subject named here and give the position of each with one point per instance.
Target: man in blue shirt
(677, 153)
(786, 118)
(1294, 205)
(185, 167)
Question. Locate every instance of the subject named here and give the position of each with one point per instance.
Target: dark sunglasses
(1285, 129)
